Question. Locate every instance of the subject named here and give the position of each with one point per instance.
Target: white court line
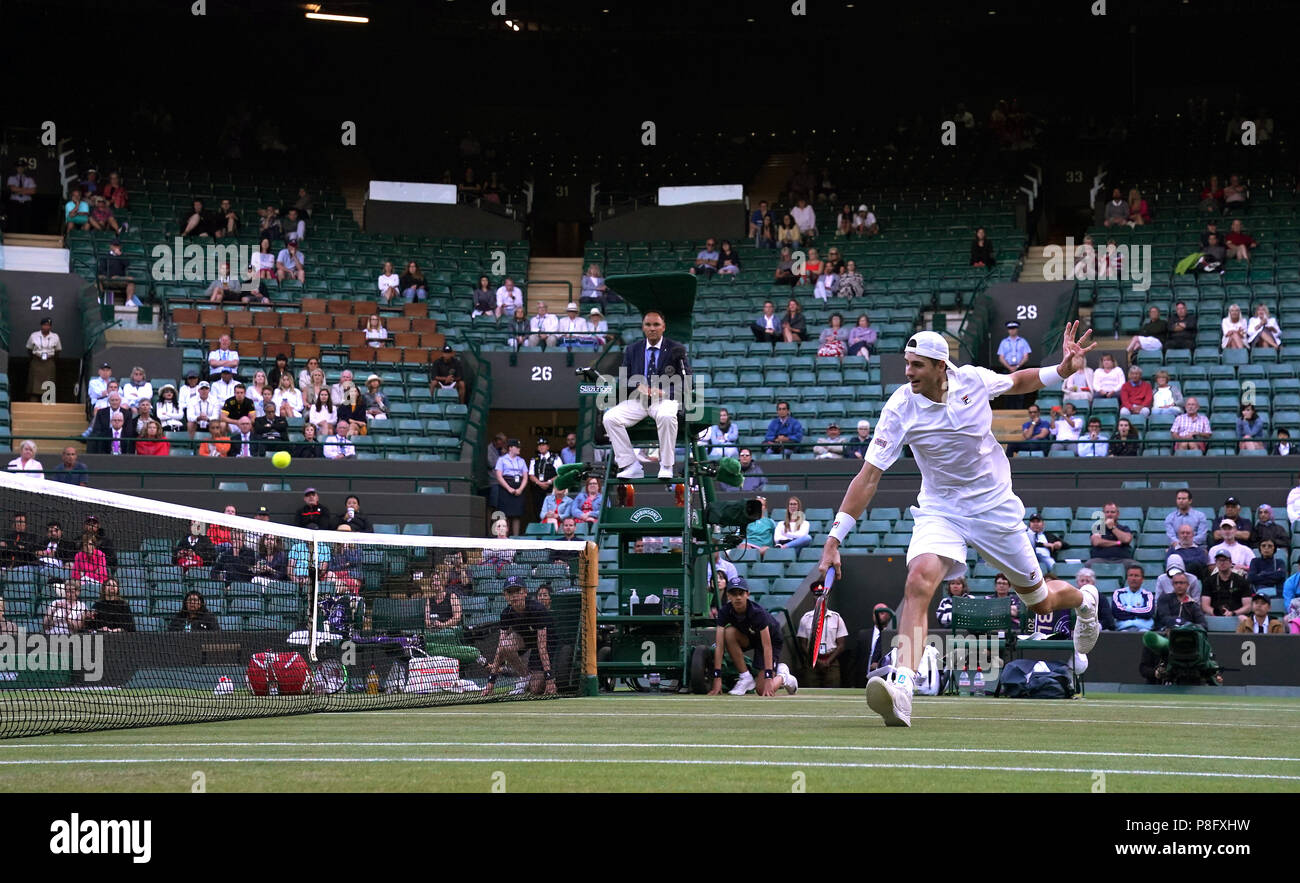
(750, 715)
(1236, 704)
(664, 745)
(654, 762)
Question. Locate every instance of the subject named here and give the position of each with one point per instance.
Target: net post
(590, 580)
(313, 603)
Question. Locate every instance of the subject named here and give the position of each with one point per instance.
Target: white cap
(863, 207)
(864, 424)
(571, 306)
(930, 344)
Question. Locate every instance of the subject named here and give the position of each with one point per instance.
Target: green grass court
(636, 743)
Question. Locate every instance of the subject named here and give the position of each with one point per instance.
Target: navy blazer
(778, 322)
(672, 361)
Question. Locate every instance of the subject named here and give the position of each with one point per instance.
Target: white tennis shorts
(999, 535)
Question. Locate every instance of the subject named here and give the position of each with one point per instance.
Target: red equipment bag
(271, 673)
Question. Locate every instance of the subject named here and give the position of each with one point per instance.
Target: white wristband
(1049, 376)
(843, 526)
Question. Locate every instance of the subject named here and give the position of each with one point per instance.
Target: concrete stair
(1032, 268)
(33, 420)
(1006, 425)
(558, 270)
(34, 253)
(32, 240)
(769, 183)
(139, 336)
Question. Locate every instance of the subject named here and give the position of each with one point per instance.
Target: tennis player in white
(944, 414)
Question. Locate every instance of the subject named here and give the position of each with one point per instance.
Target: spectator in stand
(1268, 571)
(753, 478)
(835, 337)
(1066, 428)
(101, 215)
(1013, 350)
(760, 532)
(1211, 229)
(238, 405)
(1239, 554)
(792, 532)
(1078, 386)
(574, 330)
(1263, 331)
(322, 411)
(310, 447)
(111, 613)
(316, 382)
(569, 453)
(376, 333)
(721, 438)
(389, 283)
(223, 357)
(26, 460)
(203, 410)
(1250, 429)
(225, 289)
(352, 413)
(783, 430)
(981, 250)
(137, 390)
(828, 283)
(851, 282)
(338, 444)
(295, 229)
(413, 284)
(227, 220)
(806, 219)
(374, 400)
(1190, 428)
(483, 299)
(262, 264)
(121, 435)
(189, 392)
(1139, 213)
(271, 431)
(90, 563)
(21, 186)
(766, 236)
(97, 388)
(66, 615)
(1166, 397)
(1116, 212)
(1108, 380)
(1002, 589)
(518, 328)
(1212, 196)
(756, 218)
(1236, 198)
(76, 212)
(1282, 447)
(767, 328)
(706, 262)
(200, 222)
(956, 588)
(18, 547)
(1033, 433)
(1136, 395)
(270, 226)
(543, 328)
(289, 264)
(1133, 604)
(1093, 441)
(1178, 606)
(593, 286)
(793, 325)
(788, 235)
(784, 273)
(862, 337)
(1235, 328)
(555, 507)
(727, 253)
(1241, 524)
(145, 410)
(812, 268)
(1258, 622)
(152, 442)
(1226, 592)
(858, 444)
(831, 445)
(1193, 556)
(1151, 336)
(1111, 540)
(1045, 544)
(844, 222)
(509, 298)
(864, 222)
(1184, 514)
(1239, 243)
(1268, 528)
(114, 192)
(70, 470)
(218, 443)
(586, 505)
(1125, 442)
(448, 373)
(1182, 329)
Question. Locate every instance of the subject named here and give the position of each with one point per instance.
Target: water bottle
(977, 687)
(654, 682)
(963, 681)
(372, 682)
(633, 601)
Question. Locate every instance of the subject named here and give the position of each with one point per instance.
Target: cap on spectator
(1013, 324)
(92, 171)
(448, 348)
(513, 582)
(203, 384)
(1036, 517)
(737, 584)
(1227, 522)
(1260, 596)
(94, 518)
(863, 207)
(513, 443)
(595, 311)
(832, 423)
(1222, 554)
(226, 369)
(864, 424)
(373, 377)
(193, 374)
(261, 510)
(310, 490)
(571, 308)
(1232, 501)
(110, 367)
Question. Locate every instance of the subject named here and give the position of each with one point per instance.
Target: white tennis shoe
(633, 471)
(1087, 628)
(788, 680)
(891, 700)
(743, 686)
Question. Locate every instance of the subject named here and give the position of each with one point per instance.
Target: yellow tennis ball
(281, 460)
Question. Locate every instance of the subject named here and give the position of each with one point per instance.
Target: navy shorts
(756, 646)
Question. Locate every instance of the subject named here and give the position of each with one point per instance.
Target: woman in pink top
(90, 563)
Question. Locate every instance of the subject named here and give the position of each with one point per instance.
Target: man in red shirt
(1135, 397)
(1240, 243)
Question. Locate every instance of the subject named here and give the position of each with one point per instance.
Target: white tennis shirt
(964, 470)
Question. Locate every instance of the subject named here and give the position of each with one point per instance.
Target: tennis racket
(819, 612)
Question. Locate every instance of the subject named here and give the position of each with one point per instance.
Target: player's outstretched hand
(716, 689)
(1074, 353)
(830, 558)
